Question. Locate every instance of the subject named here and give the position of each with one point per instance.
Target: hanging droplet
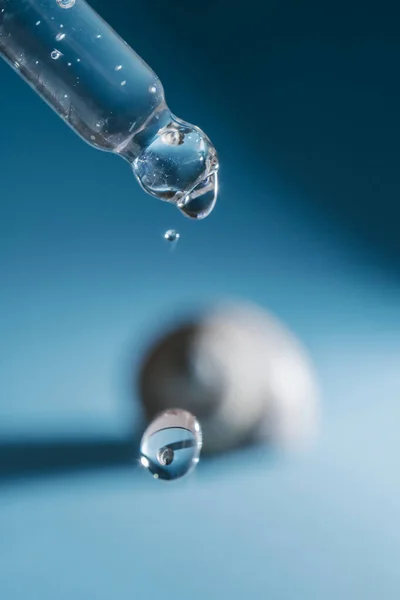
(171, 445)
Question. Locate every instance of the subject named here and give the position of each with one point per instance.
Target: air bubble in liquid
(60, 37)
(65, 3)
(55, 55)
(171, 235)
(171, 445)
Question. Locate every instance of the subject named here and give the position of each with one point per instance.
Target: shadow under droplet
(24, 459)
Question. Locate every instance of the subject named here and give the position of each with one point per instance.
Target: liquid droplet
(118, 68)
(123, 82)
(201, 200)
(55, 55)
(65, 3)
(171, 445)
(171, 235)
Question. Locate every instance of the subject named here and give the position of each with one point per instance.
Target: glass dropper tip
(180, 165)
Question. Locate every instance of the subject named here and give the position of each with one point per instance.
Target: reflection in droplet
(171, 445)
(173, 137)
(65, 3)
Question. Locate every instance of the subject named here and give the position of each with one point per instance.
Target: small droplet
(123, 82)
(38, 23)
(171, 235)
(171, 445)
(78, 60)
(65, 3)
(69, 64)
(60, 37)
(98, 36)
(153, 89)
(55, 55)
(118, 68)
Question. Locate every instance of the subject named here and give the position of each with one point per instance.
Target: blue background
(301, 101)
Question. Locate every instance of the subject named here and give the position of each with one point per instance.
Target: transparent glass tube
(110, 97)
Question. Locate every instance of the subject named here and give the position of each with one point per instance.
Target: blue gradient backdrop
(302, 104)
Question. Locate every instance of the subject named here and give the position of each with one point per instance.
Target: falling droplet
(171, 445)
(171, 235)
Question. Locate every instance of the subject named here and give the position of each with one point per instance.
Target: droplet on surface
(171, 445)
(171, 235)
(65, 3)
(55, 55)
